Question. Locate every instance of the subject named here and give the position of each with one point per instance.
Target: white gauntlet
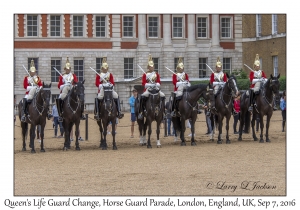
(61, 87)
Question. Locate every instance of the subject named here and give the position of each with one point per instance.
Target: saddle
(153, 91)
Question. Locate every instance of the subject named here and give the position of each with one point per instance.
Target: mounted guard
(181, 82)
(105, 79)
(66, 81)
(151, 81)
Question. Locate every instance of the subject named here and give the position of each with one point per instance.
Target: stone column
(215, 31)
(191, 30)
(167, 30)
(142, 30)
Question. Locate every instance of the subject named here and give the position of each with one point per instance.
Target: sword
(248, 67)
(213, 72)
(174, 73)
(145, 73)
(57, 71)
(99, 75)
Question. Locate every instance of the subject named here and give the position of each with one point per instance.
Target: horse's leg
(24, 127)
(227, 128)
(77, 134)
(148, 122)
(193, 143)
(158, 122)
(261, 129)
(182, 130)
(67, 135)
(254, 116)
(144, 132)
(220, 122)
(241, 125)
(42, 137)
(101, 132)
(32, 137)
(141, 128)
(113, 132)
(267, 127)
(104, 123)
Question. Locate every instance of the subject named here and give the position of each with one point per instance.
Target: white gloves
(186, 83)
(61, 87)
(218, 83)
(157, 85)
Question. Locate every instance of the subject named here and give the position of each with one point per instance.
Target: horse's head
(108, 99)
(232, 85)
(45, 92)
(274, 86)
(79, 90)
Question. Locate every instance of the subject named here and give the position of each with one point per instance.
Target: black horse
(188, 109)
(155, 107)
(141, 122)
(37, 111)
(108, 113)
(224, 106)
(71, 112)
(264, 106)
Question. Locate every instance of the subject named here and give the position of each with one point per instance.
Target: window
(55, 25)
(176, 62)
(274, 24)
(128, 68)
(77, 25)
(153, 27)
(78, 69)
(258, 25)
(32, 25)
(225, 27)
(100, 26)
(156, 64)
(55, 62)
(260, 61)
(202, 27)
(36, 64)
(98, 64)
(177, 27)
(128, 26)
(227, 65)
(275, 65)
(202, 67)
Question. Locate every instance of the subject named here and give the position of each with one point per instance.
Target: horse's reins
(76, 102)
(36, 105)
(221, 95)
(264, 96)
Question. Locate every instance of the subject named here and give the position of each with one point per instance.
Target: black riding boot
(141, 107)
(25, 112)
(59, 105)
(251, 95)
(274, 106)
(173, 110)
(96, 112)
(120, 114)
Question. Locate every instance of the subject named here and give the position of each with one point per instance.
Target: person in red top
(150, 80)
(31, 83)
(106, 79)
(256, 77)
(236, 107)
(65, 83)
(180, 82)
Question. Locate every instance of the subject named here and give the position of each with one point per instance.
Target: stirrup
(140, 116)
(23, 118)
(60, 119)
(250, 109)
(120, 115)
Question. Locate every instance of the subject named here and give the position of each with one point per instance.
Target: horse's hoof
(24, 149)
(77, 148)
(193, 144)
(33, 151)
(42, 150)
(149, 146)
(65, 149)
(228, 142)
(255, 139)
(158, 146)
(104, 148)
(183, 144)
(219, 142)
(240, 138)
(30, 146)
(144, 144)
(268, 140)
(261, 141)
(115, 148)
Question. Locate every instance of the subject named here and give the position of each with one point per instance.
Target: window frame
(95, 27)
(84, 32)
(225, 63)
(37, 26)
(60, 25)
(274, 24)
(58, 67)
(275, 65)
(158, 26)
(76, 69)
(156, 64)
(133, 26)
(183, 26)
(98, 64)
(230, 29)
(126, 74)
(207, 27)
(202, 69)
(258, 25)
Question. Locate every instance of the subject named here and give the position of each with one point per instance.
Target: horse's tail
(216, 121)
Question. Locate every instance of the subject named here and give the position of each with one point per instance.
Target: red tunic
(144, 80)
(26, 83)
(236, 105)
(175, 80)
(62, 83)
(212, 78)
(98, 82)
(251, 77)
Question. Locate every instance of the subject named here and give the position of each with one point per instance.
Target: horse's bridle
(231, 88)
(273, 92)
(38, 106)
(109, 108)
(156, 110)
(76, 102)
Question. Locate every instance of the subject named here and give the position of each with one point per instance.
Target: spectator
(109, 128)
(207, 119)
(236, 107)
(169, 121)
(133, 117)
(71, 135)
(56, 123)
(283, 109)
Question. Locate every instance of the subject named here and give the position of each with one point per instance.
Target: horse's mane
(194, 87)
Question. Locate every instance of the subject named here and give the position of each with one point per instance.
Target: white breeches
(146, 93)
(216, 88)
(256, 87)
(64, 91)
(180, 89)
(31, 93)
(101, 94)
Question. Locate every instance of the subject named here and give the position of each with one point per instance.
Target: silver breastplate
(180, 76)
(219, 75)
(68, 78)
(105, 76)
(151, 76)
(258, 74)
(33, 80)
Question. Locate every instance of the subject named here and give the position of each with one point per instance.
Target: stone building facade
(265, 34)
(126, 40)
